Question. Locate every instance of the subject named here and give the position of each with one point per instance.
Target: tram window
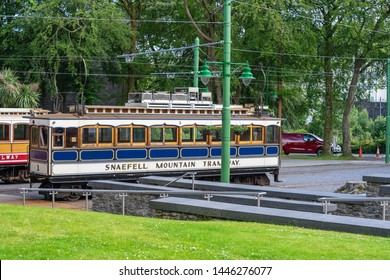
(157, 135)
(124, 135)
(187, 134)
(58, 137)
(272, 134)
(4, 132)
(163, 135)
(257, 133)
(34, 136)
(200, 135)
(71, 137)
(245, 136)
(58, 141)
(139, 134)
(89, 135)
(232, 135)
(43, 136)
(217, 135)
(170, 135)
(58, 130)
(105, 135)
(21, 131)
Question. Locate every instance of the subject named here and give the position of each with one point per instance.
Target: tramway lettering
(8, 157)
(211, 163)
(126, 166)
(179, 164)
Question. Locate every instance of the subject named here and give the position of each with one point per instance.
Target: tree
(8, 87)
(133, 10)
(366, 41)
(68, 40)
(15, 94)
(210, 11)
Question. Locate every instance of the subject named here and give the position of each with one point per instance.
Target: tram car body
(14, 141)
(156, 136)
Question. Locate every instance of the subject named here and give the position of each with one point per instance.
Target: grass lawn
(33, 233)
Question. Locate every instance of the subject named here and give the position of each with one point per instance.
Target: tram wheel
(46, 194)
(73, 197)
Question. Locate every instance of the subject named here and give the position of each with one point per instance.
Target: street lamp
(205, 74)
(247, 76)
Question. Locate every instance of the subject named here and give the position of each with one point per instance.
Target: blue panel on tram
(97, 155)
(272, 150)
(194, 152)
(217, 152)
(39, 155)
(164, 153)
(251, 151)
(64, 156)
(132, 154)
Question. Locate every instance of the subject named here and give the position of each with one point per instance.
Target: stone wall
(369, 210)
(136, 205)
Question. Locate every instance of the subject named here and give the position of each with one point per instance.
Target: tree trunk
(328, 53)
(208, 34)
(328, 114)
(133, 10)
(348, 106)
(280, 85)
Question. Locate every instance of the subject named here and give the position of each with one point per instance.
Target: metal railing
(181, 177)
(124, 193)
(383, 200)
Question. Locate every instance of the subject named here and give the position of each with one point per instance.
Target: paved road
(327, 175)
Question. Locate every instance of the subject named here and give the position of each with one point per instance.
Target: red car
(302, 143)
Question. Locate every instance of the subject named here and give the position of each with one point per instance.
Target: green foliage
(15, 94)
(60, 234)
(361, 126)
(8, 87)
(27, 97)
(71, 48)
(367, 133)
(210, 128)
(239, 129)
(67, 41)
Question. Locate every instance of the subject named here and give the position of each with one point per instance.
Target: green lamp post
(246, 77)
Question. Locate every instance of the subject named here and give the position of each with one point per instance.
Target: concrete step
(271, 215)
(307, 206)
(277, 192)
(384, 190)
(377, 178)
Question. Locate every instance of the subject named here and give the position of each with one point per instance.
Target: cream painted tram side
(14, 133)
(131, 141)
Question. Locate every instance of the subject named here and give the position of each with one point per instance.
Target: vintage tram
(157, 133)
(14, 141)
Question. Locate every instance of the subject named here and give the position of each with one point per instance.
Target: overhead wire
(283, 74)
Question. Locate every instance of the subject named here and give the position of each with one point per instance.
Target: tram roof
(167, 116)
